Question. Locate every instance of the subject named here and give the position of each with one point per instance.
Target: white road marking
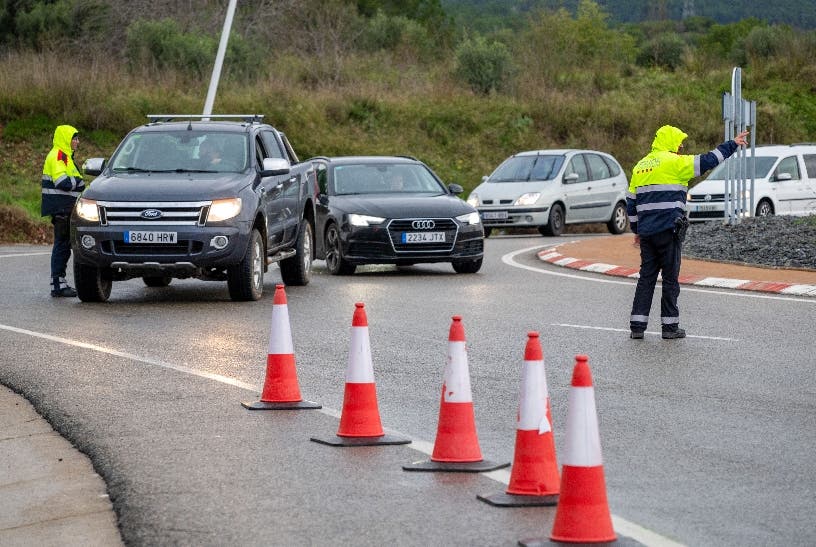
(509, 259)
(21, 254)
(622, 526)
(647, 332)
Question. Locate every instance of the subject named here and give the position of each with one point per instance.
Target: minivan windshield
(526, 168)
(763, 167)
(182, 151)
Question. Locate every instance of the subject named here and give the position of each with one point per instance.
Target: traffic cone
(281, 390)
(582, 515)
(534, 475)
(457, 446)
(360, 418)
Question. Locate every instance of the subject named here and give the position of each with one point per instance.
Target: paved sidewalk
(50, 494)
(617, 256)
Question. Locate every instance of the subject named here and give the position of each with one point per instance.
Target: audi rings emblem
(423, 225)
(151, 214)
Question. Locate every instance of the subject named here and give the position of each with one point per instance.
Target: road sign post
(738, 115)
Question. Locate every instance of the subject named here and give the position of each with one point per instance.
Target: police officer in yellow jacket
(656, 206)
(61, 185)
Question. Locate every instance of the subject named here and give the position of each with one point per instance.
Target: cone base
(503, 499)
(337, 440)
(540, 542)
(295, 405)
(464, 467)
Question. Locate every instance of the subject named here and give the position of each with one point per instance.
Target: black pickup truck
(216, 198)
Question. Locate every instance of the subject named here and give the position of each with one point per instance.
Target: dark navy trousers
(659, 254)
(61, 251)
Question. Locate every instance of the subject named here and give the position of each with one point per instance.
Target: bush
(666, 50)
(484, 66)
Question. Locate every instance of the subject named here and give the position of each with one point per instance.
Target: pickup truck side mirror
(274, 166)
(455, 189)
(93, 166)
(570, 178)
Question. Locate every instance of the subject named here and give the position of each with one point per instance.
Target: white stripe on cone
(533, 399)
(457, 377)
(583, 440)
(360, 369)
(280, 337)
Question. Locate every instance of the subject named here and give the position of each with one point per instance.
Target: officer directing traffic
(61, 186)
(656, 205)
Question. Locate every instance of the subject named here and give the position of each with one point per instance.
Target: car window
(322, 178)
(384, 178)
(729, 168)
(810, 165)
(578, 166)
(614, 168)
(788, 165)
(523, 168)
(598, 169)
(192, 150)
(273, 149)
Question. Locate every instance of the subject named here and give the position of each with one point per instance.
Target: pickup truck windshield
(526, 168)
(182, 151)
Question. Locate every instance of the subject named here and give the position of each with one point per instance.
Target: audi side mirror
(455, 189)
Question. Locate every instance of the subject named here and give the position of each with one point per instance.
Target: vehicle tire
(764, 208)
(92, 284)
(335, 262)
(467, 266)
(487, 231)
(555, 226)
(245, 279)
(157, 281)
(297, 270)
(619, 221)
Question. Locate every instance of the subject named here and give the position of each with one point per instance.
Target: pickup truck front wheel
(92, 284)
(245, 279)
(335, 262)
(298, 269)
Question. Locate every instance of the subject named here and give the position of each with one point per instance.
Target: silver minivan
(784, 183)
(547, 189)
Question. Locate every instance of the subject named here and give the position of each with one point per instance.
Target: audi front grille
(402, 225)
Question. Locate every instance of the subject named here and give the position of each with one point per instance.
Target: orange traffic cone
(281, 390)
(457, 446)
(534, 476)
(360, 418)
(582, 515)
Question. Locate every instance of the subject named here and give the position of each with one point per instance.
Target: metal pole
(219, 59)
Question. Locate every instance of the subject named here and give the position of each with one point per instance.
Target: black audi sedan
(392, 210)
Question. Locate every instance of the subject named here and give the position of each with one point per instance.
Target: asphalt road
(706, 441)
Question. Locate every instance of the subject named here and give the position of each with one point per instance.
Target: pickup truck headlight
(528, 199)
(364, 220)
(87, 210)
(470, 218)
(224, 209)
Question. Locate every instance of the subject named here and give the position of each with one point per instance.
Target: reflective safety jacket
(659, 182)
(61, 181)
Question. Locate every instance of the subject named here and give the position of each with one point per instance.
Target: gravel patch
(775, 241)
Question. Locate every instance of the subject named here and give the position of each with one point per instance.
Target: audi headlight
(469, 218)
(473, 199)
(364, 220)
(528, 199)
(224, 209)
(86, 209)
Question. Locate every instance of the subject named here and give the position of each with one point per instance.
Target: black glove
(681, 225)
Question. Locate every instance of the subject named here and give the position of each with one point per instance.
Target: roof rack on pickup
(248, 118)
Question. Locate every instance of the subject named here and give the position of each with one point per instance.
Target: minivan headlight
(528, 199)
(224, 209)
(87, 210)
(473, 199)
(469, 218)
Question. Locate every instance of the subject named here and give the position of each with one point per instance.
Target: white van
(785, 184)
(546, 189)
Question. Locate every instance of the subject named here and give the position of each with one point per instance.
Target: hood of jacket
(668, 139)
(62, 138)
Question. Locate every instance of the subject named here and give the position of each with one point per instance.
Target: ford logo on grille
(423, 225)
(151, 214)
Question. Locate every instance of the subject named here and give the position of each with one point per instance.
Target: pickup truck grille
(398, 226)
(162, 213)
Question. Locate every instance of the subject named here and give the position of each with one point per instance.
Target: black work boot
(674, 333)
(636, 335)
(60, 288)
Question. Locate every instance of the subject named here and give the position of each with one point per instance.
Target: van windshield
(731, 167)
(526, 168)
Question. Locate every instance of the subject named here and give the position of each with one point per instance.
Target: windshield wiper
(131, 170)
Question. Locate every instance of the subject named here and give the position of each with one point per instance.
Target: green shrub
(665, 50)
(484, 66)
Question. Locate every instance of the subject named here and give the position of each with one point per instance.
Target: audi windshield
(382, 178)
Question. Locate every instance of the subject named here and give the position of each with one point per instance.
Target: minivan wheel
(764, 208)
(298, 269)
(245, 279)
(617, 224)
(92, 284)
(555, 226)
